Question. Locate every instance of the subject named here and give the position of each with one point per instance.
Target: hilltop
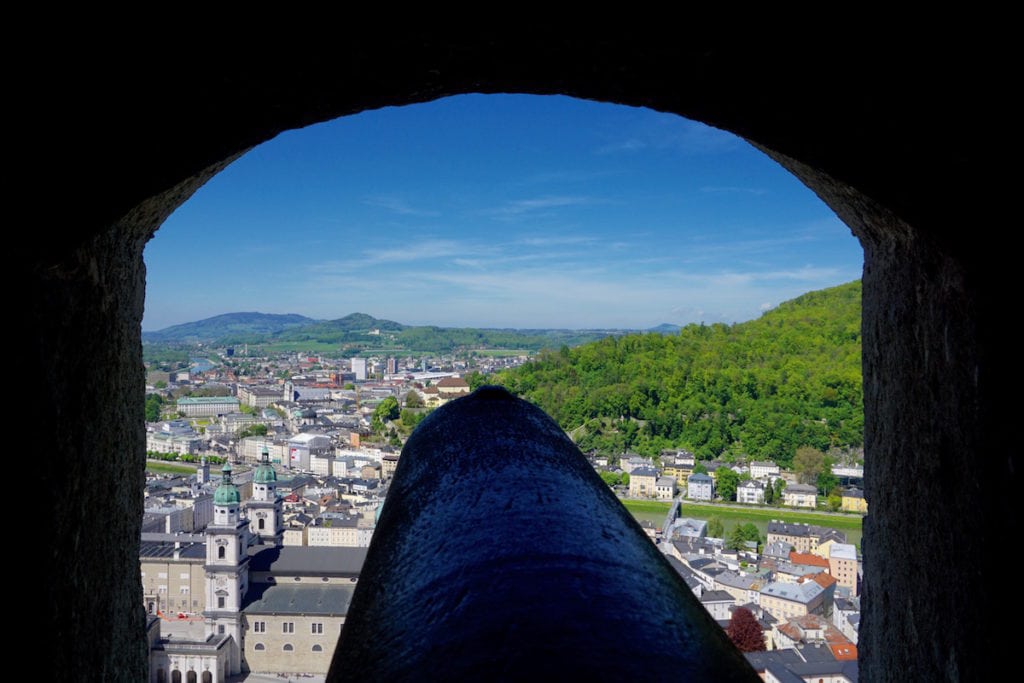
(756, 389)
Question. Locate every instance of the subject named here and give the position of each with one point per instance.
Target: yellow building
(854, 501)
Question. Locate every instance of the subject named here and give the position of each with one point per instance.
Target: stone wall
(892, 137)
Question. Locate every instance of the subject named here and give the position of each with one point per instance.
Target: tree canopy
(745, 631)
(726, 481)
(760, 388)
(809, 464)
(387, 410)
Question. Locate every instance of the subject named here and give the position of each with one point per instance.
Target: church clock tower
(265, 511)
(227, 567)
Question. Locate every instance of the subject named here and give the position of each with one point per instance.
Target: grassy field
(655, 511)
(501, 353)
(169, 468)
(310, 346)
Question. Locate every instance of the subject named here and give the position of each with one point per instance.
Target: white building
(764, 469)
(174, 436)
(751, 492)
(302, 447)
(700, 487)
(800, 496)
(207, 406)
(359, 368)
(665, 488)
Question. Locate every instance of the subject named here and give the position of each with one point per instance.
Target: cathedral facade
(267, 608)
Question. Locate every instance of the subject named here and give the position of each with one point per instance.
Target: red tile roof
(807, 559)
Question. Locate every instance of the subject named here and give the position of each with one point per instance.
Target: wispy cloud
(556, 240)
(668, 132)
(398, 205)
(628, 145)
(417, 251)
(711, 189)
(518, 208)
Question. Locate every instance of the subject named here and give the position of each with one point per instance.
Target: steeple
(265, 478)
(227, 493)
(227, 566)
(265, 509)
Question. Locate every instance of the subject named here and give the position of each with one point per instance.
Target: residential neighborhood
(308, 448)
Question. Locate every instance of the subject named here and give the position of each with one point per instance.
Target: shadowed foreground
(500, 554)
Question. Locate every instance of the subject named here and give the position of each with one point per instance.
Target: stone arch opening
(934, 347)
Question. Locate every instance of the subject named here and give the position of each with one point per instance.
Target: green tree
(413, 399)
(726, 481)
(700, 468)
(153, 404)
(253, 430)
(808, 463)
(610, 478)
(827, 482)
(625, 478)
(835, 501)
(769, 494)
(736, 538)
(715, 528)
(386, 411)
(780, 487)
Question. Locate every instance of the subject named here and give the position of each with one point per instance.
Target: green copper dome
(265, 473)
(227, 493)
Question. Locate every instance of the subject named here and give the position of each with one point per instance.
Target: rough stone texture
(500, 555)
(942, 473)
(889, 132)
(85, 342)
(82, 323)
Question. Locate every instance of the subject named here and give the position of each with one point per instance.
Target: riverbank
(731, 515)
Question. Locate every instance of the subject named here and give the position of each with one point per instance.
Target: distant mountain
(665, 328)
(358, 331)
(242, 326)
(351, 327)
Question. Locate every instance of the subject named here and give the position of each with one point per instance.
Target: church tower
(203, 472)
(265, 511)
(227, 566)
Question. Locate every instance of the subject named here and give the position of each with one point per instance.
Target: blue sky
(499, 211)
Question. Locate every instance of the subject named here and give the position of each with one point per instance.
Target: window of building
(288, 627)
(220, 553)
(220, 601)
(317, 648)
(220, 629)
(259, 627)
(259, 646)
(317, 629)
(288, 647)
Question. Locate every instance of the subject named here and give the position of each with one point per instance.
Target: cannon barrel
(500, 554)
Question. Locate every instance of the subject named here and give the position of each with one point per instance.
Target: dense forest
(758, 389)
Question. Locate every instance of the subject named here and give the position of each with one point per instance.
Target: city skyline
(499, 211)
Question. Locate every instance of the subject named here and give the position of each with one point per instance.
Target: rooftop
(326, 599)
(206, 400)
(308, 561)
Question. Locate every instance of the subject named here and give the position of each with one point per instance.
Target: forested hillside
(758, 389)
